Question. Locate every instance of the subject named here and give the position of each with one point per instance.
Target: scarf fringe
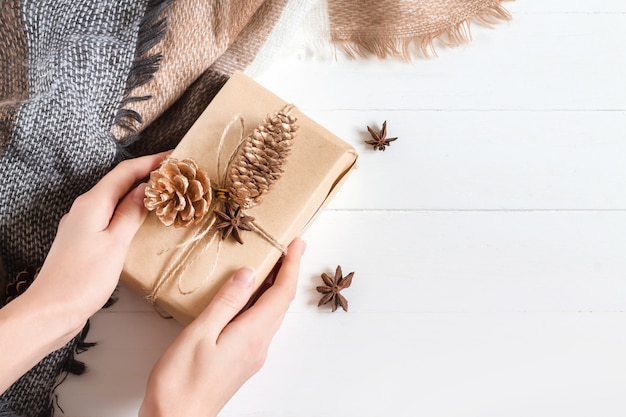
(404, 48)
(151, 32)
(71, 366)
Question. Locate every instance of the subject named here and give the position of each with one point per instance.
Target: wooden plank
(417, 262)
(118, 367)
(376, 364)
(536, 62)
(441, 365)
(470, 261)
(484, 160)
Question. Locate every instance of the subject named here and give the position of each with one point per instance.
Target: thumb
(129, 214)
(228, 301)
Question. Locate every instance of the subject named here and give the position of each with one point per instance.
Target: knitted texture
(79, 57)
(5, 411)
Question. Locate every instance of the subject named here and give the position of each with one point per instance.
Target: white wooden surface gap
(487, 241)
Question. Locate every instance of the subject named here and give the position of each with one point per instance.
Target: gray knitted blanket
(65, 66)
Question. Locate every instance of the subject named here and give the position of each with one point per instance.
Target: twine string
(182, 258)
(178, 264)
(257, 228)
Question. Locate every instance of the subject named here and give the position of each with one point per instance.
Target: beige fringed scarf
(401, 29)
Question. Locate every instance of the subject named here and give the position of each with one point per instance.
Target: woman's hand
(88, 252)
(213, 356)
(80, 272)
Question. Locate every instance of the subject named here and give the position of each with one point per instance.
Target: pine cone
(20, 284)
(259, 161)
(179, 191)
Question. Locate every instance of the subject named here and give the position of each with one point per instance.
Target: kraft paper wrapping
(317, 166)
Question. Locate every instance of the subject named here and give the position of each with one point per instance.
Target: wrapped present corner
(181, 268)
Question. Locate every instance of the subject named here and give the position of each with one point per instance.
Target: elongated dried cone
(259, 160)
(179, 192)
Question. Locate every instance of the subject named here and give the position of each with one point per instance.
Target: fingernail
(302, 247)
(244, 277)
(299, 243)
(139, 194)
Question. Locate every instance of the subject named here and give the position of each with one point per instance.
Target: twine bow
(252, 168)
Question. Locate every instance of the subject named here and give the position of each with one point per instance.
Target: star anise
(333, 288)
(380, 139)
(232, 222)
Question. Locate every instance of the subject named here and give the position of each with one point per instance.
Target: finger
(270, 309)
(229, 300)
(62, 222)
(128, 172)
(103, 198)
(129, 215)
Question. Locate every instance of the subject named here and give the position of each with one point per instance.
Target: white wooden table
(488, 241)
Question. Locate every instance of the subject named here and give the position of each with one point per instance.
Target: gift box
(181, 268)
